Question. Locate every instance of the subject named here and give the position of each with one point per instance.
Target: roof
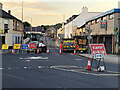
(7, 15)
(34, 29)
(83, 17)
(104, 14)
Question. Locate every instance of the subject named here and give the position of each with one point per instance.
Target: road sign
(32, 45)
(24, 46)
(103, 24)
(98, 56)
(16, 46)
(5, 46)
(89, 37)
(97, 49)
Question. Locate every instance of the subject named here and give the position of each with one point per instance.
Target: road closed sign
(16, 46)
(5, 46)
(97, 49)
(32, 45)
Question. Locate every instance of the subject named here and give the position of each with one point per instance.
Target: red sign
(32, 45)
(97, 49)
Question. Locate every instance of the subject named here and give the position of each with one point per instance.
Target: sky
(50, 12)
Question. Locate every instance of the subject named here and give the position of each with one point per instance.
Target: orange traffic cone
(89, 64)
(74, 52)
(38, 50)
(47, 51)
(12, 51)
(60, 52)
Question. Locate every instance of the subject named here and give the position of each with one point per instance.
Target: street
(54, 71)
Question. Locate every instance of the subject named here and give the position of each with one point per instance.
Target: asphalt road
(54, 71)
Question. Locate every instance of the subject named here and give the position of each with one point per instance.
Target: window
(6, 26)
(111, 16)
(97, 21)
(92, 22)
(104, 18)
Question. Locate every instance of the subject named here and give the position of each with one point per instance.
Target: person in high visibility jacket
(60, 46)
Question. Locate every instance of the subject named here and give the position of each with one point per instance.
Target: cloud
(30, 6)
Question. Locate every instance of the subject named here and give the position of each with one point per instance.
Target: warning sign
(16, 46)
(97, 49)
(5, 46)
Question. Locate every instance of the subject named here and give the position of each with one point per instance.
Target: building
(60, 31)
(69, 26)
(78, 21)
(105, 29)
(10, 28)
(51, 31)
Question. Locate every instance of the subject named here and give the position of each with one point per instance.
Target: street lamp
(22, 22)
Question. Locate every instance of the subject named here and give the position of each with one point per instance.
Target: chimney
(84, 9)
(1, 5)
(9, 12)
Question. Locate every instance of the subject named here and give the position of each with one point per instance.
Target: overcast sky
(43, 12)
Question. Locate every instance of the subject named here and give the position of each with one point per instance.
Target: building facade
(10, 28)
(105, 29)
(78, 22)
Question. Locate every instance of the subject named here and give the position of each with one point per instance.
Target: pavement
(108, 58)
(54, 70)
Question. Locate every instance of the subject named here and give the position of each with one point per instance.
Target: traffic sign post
(98, 53)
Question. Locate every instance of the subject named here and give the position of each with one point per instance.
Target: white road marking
(11, 76)
(35, 58)
(1, 68)
(59, 68)
(78, 59)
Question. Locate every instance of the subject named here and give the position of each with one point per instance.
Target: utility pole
(22, 23)
(31, 31)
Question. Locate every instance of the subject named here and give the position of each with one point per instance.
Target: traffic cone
(38, 50)
(47, 51)
(74, 52)
(60, 52)
(89, 64)
(12, 51)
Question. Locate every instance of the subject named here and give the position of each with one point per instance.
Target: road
(54, 71)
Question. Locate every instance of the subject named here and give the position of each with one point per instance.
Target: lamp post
(22, 23)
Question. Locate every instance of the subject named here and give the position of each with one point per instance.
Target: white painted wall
(79, 21)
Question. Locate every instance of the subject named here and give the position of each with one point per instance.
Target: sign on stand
(98, 53)
(32, 46)
(16, 46)
(5, 46)
(24, 46)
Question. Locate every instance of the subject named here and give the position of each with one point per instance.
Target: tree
(26, 24)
